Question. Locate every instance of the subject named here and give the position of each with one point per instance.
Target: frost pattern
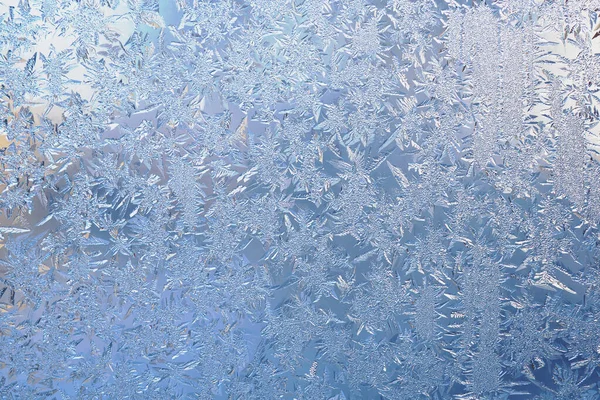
(299, 199)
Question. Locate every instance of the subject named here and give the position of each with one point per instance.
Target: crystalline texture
(299, 199)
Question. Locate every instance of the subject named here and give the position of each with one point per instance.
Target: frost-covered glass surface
(299, 199)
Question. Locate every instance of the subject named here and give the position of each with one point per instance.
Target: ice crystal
(299, 199)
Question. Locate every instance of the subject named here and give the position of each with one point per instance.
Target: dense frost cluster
(299, 199)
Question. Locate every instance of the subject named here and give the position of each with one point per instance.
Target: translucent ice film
(300, 199)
